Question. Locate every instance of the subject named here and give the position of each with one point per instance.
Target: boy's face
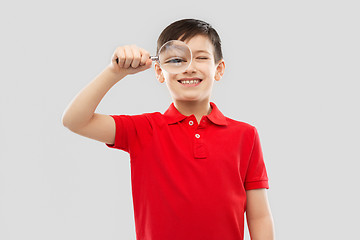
(202, 68)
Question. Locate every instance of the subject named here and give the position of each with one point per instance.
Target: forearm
(81, 109)
(261, 228)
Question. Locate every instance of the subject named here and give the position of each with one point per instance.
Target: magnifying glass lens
(175, 56)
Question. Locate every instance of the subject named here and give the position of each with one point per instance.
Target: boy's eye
(202, 58)
(175, 60)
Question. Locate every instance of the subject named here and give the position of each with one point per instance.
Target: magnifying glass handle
(154, 58)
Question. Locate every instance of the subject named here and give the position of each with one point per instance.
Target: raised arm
(79, 116)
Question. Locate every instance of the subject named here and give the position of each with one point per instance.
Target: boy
(194, 171)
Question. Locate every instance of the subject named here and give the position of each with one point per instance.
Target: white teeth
(190, 82)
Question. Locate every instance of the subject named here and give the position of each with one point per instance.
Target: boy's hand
(130, 59)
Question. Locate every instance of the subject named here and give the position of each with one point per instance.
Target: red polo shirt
(188, 179)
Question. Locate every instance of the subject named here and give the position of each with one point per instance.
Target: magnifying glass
(174, 56)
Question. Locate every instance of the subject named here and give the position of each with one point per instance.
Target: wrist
(112, 75)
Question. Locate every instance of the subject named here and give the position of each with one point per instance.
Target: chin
(190, 99)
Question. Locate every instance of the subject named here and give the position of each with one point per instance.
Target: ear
(220, 69)
(158, 72)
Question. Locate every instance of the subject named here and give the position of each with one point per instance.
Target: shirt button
(197, 135)
(191, 123)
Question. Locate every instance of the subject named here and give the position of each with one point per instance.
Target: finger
(114, 58)
(147, 65)
(145, 55)
(120, 56)
(128, 56)
(137, 56)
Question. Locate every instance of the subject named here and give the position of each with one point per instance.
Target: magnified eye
(175, 60)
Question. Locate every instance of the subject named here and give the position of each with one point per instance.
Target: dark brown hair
(188, 28)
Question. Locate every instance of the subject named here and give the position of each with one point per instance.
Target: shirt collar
(172, 115)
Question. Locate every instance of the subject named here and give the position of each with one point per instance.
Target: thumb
(147, 65)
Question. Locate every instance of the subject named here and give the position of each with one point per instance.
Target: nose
(191, 68)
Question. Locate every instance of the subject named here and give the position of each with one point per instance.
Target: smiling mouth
(191, 82)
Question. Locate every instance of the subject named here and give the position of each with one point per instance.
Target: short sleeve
(132, 131)
(256, 175)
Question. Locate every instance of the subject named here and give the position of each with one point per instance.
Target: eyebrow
(202, 51)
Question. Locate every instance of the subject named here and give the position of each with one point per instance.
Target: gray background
(292, 70)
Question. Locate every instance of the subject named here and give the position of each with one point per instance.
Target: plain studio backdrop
(292, 71)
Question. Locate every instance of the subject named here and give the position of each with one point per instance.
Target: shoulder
(241, 129)
(239, 124)
(138, 119)
(147, 115)
(151, 118)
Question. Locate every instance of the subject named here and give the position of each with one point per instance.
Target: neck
(198, 108)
